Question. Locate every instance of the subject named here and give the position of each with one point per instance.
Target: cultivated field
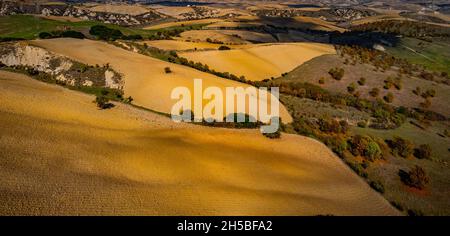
(175, 12)
(145, 77)
(262, 61)
(120, 9)
(182, 23)
(214, 35)
(60, 155)
(179, 45)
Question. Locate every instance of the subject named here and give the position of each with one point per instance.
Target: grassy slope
(435, 56)
(431, 201)
(60, 155)
(311, 71)
(29, 27)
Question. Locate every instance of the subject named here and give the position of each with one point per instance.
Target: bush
(401, 147)
(45, 35)
(364, 146)
(102, 101)
(322, 80)
(373, 151)
(429, 93)
(362, 124)
(362, 81)
(72, 34)
(416, 177)
(423, 151)
(358, 169)
(374, 92)
(389, 97)
(425, 104)
(133, 37)
(377, 185)
(223, 47)
(397, 205)
(351, 88)
(336, 73)
(167, 70)
(333, 126)
(417, 91)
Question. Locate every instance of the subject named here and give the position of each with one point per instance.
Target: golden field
(60, 155)
(144, 77)
(262, 61)
(179, 45)
(182, 23)
(120, 9)
(203, 35)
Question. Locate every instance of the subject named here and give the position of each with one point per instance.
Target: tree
(322, 80)
(336, 73)
(351, 87)
(417, 91)
(105, 33)
(423, 151)
(389, 97)
(223, 47)
(167, 70)
(102, 102)
(362, 81)
(45, 35)
(374, 92)
(416, 177)
(401, 147)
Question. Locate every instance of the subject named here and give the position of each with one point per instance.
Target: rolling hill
(60, 155)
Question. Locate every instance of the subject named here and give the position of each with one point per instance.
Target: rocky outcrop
(333, 14)
(64, 70)
(13, 8)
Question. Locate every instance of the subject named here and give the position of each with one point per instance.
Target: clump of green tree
(365, 146)
(414, 29)
(104, 33)
(102, 100)
(62, 34)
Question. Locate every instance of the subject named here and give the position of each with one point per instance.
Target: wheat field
(60, 155)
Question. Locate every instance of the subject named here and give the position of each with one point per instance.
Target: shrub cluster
(62, 34)
(416, 177)
(401, 147)
(336, 73)
(365, 146)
